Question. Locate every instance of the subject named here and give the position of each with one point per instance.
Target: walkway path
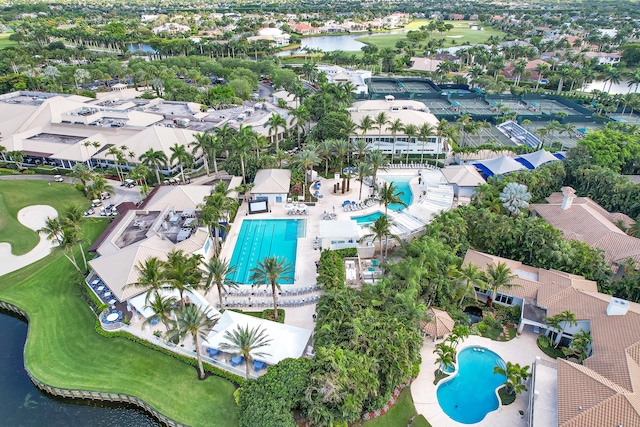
(522, 350)
(33, 217)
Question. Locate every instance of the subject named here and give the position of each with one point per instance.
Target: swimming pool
(259, 238)
(471, 394)
(401, 182)
(367, 219)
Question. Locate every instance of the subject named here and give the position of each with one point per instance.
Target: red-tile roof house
(580, 218)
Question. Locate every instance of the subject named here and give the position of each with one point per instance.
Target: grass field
(15, 195)
(5, 42)
(399, 415)
(459, 35)
(64, 350)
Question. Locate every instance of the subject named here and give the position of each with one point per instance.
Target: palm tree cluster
(516, 376)
(66, 232)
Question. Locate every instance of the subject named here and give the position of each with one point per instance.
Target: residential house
(271, 34)
(464, 179)
(580, 218)
(604, 389)
(610, 58)
(171, 28)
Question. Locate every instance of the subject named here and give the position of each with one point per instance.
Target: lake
(140, 47)
(346, 42)
(23, 404)
(621, 87)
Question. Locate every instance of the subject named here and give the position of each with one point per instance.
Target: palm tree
(564, 73)
(268, 272)
(363, 170)
(612, 75)
(240, 143)
(341, 150)
(301, 115)
(471, 277)
(115, 152)
(179, 153)
(17, 157)
(515, 377)
(182, 272)
(376, 159)
(162, 308)
(325, 150)
(446, 356)
(381, 120)
(389, 195)
(395, 127)
(366, 124)
(191, 320)
(425, 131)
(245, 342)
(514, 197)
(275, 122)
(150, 277)
(69, 239)
(53, 230)
(381, 229)
(633, 79)
(541, 69)
(411, 131)
(306, 160)
(154, 159)
(499, 277)
(580, 345)
(564, 318)
(218, 272)
(82, 173)
(204, 142)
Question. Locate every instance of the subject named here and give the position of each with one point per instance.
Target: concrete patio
(522, 350)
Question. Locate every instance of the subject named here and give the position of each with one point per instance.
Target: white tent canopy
(499, 166)
(286, 340)
(537, 158)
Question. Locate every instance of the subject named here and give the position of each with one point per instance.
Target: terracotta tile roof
(440, 324)
(588, 222)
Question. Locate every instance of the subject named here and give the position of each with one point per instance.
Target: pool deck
(522, 350)
(306, 256)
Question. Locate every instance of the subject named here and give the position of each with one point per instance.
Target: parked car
(96, 203)
(129, 183)
(89, 211)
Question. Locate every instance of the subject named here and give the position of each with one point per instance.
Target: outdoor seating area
(267, 303)
(296, 209)
(102, 292)
(410, 165)
(112, 317)
(252, 292)
(329, 216)
(350, 206)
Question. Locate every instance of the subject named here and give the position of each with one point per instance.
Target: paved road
(264, 91)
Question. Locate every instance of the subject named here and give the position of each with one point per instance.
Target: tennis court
(474, 107)
(384, 86)
(417, 87)
(549, 106)
(437, 106)
(487, 136)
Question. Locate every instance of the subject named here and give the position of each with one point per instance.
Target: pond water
(474, 314)
(346, 42)
(620, 88)
(140, 47)
(22, 404)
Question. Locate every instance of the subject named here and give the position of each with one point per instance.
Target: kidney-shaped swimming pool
(471, 394)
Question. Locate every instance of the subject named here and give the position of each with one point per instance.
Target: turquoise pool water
(471, 394)
(367, 219)
(401, 182)
(259, 238)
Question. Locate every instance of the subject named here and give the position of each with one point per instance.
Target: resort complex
(317, 215)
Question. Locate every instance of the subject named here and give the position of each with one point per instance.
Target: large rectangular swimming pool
(259, 238)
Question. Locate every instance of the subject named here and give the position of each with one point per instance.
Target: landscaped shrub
(507, 315)
(330, 270)
(270, 400)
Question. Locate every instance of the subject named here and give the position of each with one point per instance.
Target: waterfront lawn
(460, 34)
(64, 350)
(5, 42)
(15, 195)
(399, 415)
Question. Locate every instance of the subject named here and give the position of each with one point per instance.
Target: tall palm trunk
(158, 175)
(197, 344)
(275, 307)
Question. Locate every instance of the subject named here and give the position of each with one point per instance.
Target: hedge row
(331, 269)
(188, 360)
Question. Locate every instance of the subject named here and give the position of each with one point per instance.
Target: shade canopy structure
(499, 166)
(286, 340)
(439, 325)
(536, 159)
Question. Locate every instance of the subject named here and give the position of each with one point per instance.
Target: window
(505, 299)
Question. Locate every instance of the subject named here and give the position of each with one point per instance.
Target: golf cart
(58, 178)
(96, 203)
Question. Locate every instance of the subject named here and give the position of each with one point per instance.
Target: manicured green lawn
(63, 349)
(460, 34)
(399, 415)
(5, 42)
(15, 195)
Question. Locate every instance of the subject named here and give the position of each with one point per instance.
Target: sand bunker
(33, 217)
